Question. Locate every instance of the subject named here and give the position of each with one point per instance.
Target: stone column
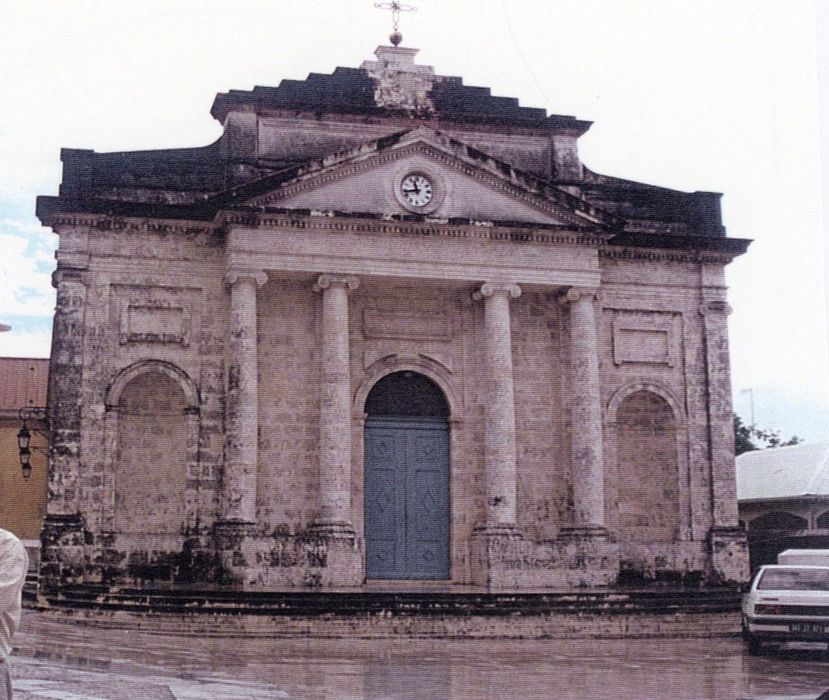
(499, 407)
(585, 415)
(729, 550)
(334, 514)
(63, 542)
(66, 391)
(242, 411)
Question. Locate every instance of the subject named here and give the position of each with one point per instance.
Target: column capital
(257, 276)
(715, 306)
(488, 289)
(68, 276)
(324, 281)
(574, 294)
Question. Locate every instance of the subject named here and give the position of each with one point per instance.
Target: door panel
(407, 498)
(427, 520)
(385, 507)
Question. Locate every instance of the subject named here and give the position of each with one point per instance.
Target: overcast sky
(716, 95)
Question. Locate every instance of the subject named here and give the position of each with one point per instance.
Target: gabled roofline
(450, 147)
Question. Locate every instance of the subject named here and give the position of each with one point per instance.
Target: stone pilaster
(242, 411)
(729, 551)
(334, 514)
(499, 407)
(63, 549)
(586, 416)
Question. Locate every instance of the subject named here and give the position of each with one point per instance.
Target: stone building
(783, 497)
(387, 327)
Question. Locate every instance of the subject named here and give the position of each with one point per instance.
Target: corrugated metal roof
(784, 472)
(23, 382)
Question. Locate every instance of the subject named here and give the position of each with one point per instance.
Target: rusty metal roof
(23, 382)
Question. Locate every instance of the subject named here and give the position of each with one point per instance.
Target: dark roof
(194, 169)
(348, 90)
(351, 91)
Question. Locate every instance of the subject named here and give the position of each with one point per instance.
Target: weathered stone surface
(208, 407)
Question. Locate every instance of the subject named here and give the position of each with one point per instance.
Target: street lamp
(24, 438)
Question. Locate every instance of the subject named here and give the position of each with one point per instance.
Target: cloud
(26, 261)
(26, 343)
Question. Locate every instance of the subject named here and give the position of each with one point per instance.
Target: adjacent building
(784, 499)
(387, 327)
(23, 383)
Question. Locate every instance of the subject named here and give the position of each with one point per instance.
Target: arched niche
(151, 434)
(648, 494)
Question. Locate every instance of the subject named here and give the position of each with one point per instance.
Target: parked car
(788, 602)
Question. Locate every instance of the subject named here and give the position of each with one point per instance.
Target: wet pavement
(64, 660)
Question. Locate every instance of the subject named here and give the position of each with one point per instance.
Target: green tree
(750, 437)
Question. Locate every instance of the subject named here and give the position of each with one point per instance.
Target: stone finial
(396, 8)
(399, 83)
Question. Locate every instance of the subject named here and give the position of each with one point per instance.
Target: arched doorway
(407, 479)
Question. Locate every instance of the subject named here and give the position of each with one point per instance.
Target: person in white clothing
(14, 562)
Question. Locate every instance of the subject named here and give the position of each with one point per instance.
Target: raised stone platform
(432, 612)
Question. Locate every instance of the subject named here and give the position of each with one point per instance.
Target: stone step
(426, 603)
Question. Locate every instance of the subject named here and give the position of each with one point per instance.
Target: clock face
(417, 190)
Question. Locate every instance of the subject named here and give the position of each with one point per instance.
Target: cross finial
(396, 8)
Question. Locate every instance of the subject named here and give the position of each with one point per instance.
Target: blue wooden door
(407, 498)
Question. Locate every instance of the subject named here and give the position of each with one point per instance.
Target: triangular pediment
(424, 172)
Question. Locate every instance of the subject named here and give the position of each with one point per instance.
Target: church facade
(387, 328)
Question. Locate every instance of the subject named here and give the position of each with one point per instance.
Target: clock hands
(417, 190)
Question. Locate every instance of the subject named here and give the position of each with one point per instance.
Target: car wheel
(754, 646)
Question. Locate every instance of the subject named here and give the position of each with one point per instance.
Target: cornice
(555, 235)
(104, 222)
(653, 254)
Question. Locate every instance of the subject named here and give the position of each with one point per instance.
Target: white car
(786, 603)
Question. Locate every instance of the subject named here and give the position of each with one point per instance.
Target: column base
(235, 550)
(336, 529)
(729, 556)
(63, 557)
(505, 530)
(495, 549)
(585, 532)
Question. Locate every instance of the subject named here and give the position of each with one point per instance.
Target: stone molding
(69, 276)
(326, 280)
(631, 388)
(106, 222)
(328, 221)
(715, 307)
(127, 374)
(652, 254)
(336, 172)
(256, 276)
